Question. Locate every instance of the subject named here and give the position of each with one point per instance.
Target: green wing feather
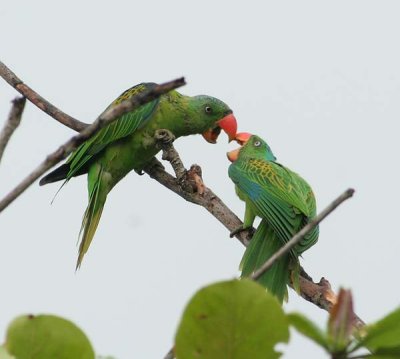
(280, 196)
(122, 127)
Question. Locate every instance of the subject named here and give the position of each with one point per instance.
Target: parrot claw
(164, 136)
(139, 172)
(241, 229)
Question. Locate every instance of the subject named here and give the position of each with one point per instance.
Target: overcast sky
(320, 81)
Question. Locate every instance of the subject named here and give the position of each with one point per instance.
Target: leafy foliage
(46, 337)
(232, 319)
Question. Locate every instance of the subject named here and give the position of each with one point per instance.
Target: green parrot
(285, 203)
(128, 144)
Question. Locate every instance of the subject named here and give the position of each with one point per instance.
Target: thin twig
(39, 101)
(104, 119)
(300, 235)
(13, 121)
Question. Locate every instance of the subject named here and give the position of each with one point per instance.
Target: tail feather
(262, 246)
(60, 173)
(97, 198)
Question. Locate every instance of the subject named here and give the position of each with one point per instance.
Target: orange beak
(241, 138)
(227, 123)
(233, 155)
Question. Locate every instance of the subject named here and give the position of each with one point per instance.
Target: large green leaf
(383, 334)
(306, 327)
(46, 337)
(231, 320)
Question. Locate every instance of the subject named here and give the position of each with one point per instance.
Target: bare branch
(322, 295)
(301, 234)
(13, 121)
(209, 200)
(104, 119)
(39, 101)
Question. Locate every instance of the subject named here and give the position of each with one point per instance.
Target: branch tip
(12, 122)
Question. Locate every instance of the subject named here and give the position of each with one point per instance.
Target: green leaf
(306, 327)
(383, 334)
(232, 319)
(4, 354)
(386, 353)
(46, 337)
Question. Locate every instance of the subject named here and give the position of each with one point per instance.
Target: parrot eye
(257, 144)
(208, 109)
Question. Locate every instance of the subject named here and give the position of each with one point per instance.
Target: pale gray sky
(320, 81)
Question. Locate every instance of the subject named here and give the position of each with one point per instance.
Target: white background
(320, 81)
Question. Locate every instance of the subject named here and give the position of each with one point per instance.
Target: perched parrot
(128, 144)
(285, 203)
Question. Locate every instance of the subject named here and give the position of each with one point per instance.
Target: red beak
(227, 123)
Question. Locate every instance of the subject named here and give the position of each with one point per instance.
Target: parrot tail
(60, 173)
(262, 246)
(98, 181)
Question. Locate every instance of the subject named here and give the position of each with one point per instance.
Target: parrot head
(252, 147)
(210, 116)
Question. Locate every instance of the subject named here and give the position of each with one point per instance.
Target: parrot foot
(165, 137)
(241, 229)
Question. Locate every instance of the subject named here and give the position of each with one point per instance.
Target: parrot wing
(279, 195)
(122, 127)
